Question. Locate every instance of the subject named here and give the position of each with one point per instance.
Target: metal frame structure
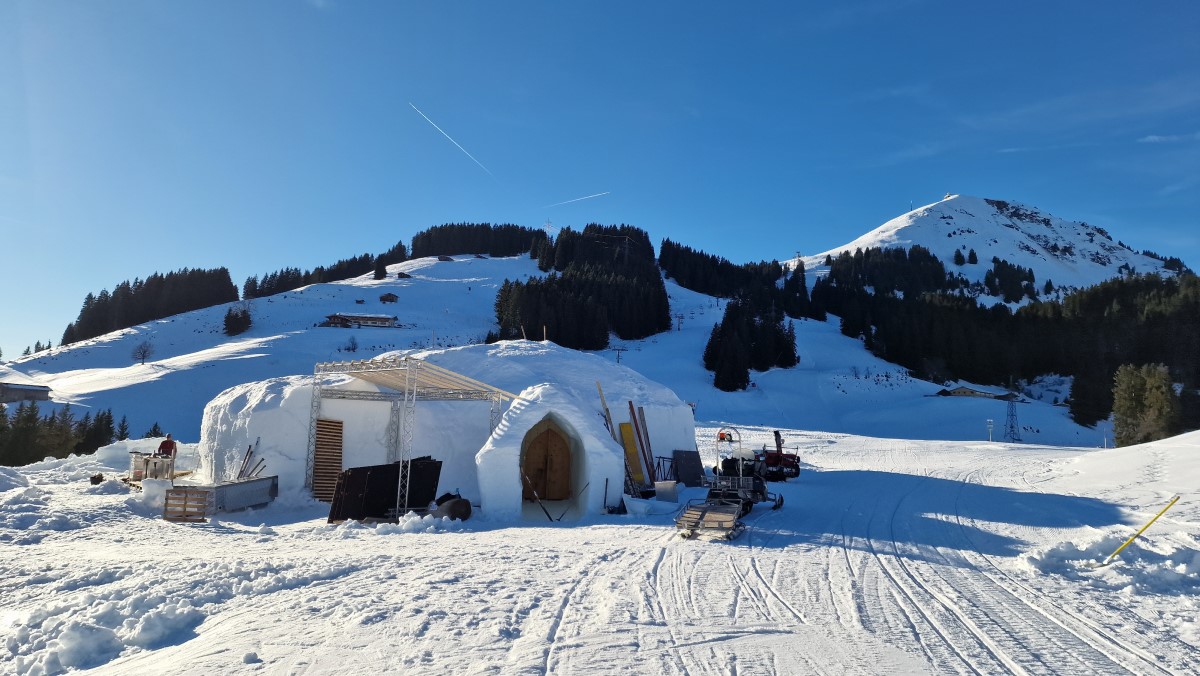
(403, 381)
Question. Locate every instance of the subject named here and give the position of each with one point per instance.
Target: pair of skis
(246, 471)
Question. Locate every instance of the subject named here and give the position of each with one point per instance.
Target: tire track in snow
(583, 629)
(853, 584)
(796, 614)
(996, 617)
(1056, 613)
(655, 598)
(946, 650)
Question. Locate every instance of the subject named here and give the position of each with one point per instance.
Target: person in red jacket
(166, 448)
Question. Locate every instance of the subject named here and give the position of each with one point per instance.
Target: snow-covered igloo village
(505, 420)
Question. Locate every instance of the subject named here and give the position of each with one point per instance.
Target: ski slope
(838, 386)
(889, 556)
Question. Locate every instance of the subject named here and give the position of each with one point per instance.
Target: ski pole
(1143, 530)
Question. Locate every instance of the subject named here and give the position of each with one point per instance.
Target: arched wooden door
(547, 466)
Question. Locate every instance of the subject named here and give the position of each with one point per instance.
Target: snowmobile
(732, 493)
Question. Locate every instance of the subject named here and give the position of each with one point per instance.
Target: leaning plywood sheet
(688, 468)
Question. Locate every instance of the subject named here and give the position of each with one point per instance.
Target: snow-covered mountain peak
(1070, 253)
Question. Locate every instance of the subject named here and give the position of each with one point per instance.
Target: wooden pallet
(189, 504)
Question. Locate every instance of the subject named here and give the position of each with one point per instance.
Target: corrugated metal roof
(398, 373)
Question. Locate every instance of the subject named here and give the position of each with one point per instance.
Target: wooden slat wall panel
(327, 464)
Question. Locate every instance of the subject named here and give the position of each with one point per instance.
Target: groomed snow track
(887, 558)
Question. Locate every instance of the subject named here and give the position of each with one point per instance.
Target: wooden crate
(189, 504)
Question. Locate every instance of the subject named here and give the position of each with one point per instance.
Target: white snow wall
(278, 411)
(453, 432)
(595, 458)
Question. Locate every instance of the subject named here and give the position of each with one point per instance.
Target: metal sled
(711, 520)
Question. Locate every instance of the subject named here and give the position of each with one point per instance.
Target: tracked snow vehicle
(780, 464)
(732, 493)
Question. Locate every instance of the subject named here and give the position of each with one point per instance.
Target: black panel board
(370, 492)
(688, 469)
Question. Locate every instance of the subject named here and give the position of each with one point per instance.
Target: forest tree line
(289, 279)
(27, 436)
(163, 295)
(755, 331)
(157, 296)
(476, 238)
(603, 279)
(943, 333)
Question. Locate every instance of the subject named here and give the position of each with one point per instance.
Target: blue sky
(149, 136)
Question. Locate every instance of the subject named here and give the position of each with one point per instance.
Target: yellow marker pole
(1143, 530)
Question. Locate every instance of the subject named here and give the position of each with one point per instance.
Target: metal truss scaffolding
(402, 381)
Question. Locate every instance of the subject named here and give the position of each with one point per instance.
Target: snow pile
(272, 412)
(1155, 565)
(154, 493)
(11, 478)
(90, 627)
(21, 509)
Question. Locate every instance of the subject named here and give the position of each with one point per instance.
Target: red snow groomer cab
(780, 464)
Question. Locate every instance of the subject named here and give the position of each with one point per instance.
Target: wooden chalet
(348, 320)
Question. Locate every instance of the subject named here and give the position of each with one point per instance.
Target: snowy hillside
(1070, 253)
(837, 387)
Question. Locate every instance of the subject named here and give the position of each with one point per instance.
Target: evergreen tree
(958, 258)
(237, 320)
(154, 432)
(22, 445)
(123, 429)
(4, 434)
(380, 268)
(1145, 406)
(972, 258)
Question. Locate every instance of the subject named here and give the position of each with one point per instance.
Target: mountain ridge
(1073, 254)
(445, 303)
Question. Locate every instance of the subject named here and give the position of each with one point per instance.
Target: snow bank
(1160, 565)
(93, 626)
(10, 478)
(275, 413)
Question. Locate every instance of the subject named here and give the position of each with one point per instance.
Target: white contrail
(577, 199)
(452, 140)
